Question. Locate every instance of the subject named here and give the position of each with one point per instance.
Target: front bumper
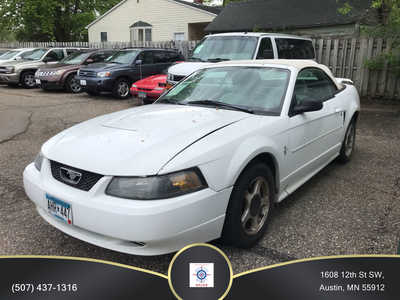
(97, 84)
(50, 83)
(9, 78)
(129, 226)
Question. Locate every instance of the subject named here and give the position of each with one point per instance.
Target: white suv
(240, 46)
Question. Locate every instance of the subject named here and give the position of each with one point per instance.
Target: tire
(72, 85)
(247, 218)
(348, 144)
(28, 80)
(121, 89)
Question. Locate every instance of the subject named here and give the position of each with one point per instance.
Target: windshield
(225, 48)
(75, 59)
(260, 89)
(34, 54)
(123, 57)
(9, 54)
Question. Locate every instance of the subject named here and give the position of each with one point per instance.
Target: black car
(119, 71)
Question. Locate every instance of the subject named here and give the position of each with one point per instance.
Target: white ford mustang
(206, 161)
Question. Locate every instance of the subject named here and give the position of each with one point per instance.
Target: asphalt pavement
(345, 209)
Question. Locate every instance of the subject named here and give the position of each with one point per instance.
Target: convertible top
(297, 64)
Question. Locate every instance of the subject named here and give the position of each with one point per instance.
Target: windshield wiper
(217, 59)
(221, 104)
(196, 59)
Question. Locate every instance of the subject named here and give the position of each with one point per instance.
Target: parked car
(152, 179)
(150, 88)
(117, 74)
(14, 54)
(23, 71)
(242, 45)
(62, 75)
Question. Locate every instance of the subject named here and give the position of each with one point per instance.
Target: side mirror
(18, 58)
(138, 62)
(307, 106)
(89, 61)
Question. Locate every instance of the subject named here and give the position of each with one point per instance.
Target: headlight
(39, 161)
(104, 74)
(59, 72)
(169, 76)
(157, 187)
(10, 69)
(134, 86)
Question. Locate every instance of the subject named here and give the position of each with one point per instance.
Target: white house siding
(167, 17)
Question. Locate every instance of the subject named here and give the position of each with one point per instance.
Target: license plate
(83, 82)
(37, 81)
(142, 95)
(59, 209)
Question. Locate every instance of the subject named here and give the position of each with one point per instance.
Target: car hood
(101, 66)
(152, 81)
(138, 141)
(187, 68)
(59, 66)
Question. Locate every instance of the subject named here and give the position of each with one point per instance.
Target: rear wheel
(72, 84)
(250, 207)
(28, 80)
(348, 144)
(121, 89)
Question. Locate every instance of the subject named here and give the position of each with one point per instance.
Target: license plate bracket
(59, 209)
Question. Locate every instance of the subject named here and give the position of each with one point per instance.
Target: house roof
(208, 9)
(285, 14)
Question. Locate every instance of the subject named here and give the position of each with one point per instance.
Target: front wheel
(121, 89)
(348, 144)
(72, 84)
(28, 80)
(250, 207)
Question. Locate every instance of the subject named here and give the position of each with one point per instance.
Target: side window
(294, 49)
(265, 51)
(70, 51)
(98, 57)
(55, 55)
(146, 57)
(313, 85)
(103, 37)
(174, 56)
(160, 57)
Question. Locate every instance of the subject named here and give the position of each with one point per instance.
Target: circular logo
(200, 271)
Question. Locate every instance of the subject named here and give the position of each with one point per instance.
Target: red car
(150, 88)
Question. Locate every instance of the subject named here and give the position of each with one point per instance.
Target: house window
(103, 37)
(179, 36)
(141, 31)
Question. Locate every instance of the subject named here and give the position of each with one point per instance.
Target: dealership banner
(201, 271)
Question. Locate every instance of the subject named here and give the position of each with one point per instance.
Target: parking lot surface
(345, 209)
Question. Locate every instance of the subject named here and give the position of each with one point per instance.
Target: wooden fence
(345, 57)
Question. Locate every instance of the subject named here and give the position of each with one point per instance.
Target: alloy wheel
(123, 89)
(256, 206)
(29, 80)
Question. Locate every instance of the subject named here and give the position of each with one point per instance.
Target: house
(315, 18)
(152, 20)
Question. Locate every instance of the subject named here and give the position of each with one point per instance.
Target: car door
(146, 68)
(313, 137)
(161, 61)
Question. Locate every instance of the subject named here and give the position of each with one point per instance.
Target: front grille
(47, 73)
(3, 70)
(88, 179)
(143, 89)
(85, 73)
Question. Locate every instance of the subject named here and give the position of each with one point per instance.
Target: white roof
(297, 64)
(259, 34)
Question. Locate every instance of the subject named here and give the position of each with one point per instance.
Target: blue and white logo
(201, 275)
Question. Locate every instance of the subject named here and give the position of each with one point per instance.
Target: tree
(388, 27)
(225, 2)
(50, 20)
